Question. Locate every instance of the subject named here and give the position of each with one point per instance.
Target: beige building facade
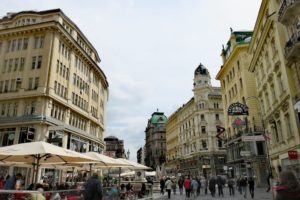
(199, 151)
(275, 64)
(248, 158)
(51, 86)
(172, 133)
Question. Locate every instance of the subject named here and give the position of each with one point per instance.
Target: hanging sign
(293, 155)
(237, 109)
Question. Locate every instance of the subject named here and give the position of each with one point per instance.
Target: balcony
(292, 47)
(288, 9)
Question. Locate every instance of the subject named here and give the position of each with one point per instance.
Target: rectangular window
(18, 83)
(55, 86)
(203, 129)
(217, 117)
(36, 42)
(4, 66)
(33, 62)
(33, 107)
(15, 110)
(288, 125)
(36, 83)
(13, 45)
(42, 38)
(22, 63)
(30, 82)
(16, 64)
(57, 66)
(19, 44)
(10, 65)
(1, 86)
(25, 43)
(13, 85)
(39, 64)
(8, 46)
(6, 86)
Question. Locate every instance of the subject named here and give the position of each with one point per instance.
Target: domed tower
(201, 77)
(202, 83)
(156, 140)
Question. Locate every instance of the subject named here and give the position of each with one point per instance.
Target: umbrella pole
(37, 170)
(72, 175)
(90, 170)
(119, 176)
(32, 175)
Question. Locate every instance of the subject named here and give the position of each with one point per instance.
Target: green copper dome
(158, 117)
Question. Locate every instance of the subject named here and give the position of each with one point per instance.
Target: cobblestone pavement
(259, 194)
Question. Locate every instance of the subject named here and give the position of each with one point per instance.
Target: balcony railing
(283, 11)
(291, 45)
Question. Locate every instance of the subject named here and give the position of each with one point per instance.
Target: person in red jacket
(187, 186)
(288, 187)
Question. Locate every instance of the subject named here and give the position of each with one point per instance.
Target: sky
(149, 50)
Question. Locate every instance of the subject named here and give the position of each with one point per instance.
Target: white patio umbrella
(107, 161)
(39, 153)
(134, 165)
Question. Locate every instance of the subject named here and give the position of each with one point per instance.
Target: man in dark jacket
(220, 183)
(93, 188)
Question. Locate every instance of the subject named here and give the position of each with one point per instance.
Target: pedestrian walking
(93, 188)
(180, 185)
(269, 181)
(288, 187)
(220, 183)
(204, 184)
(212, 186)
(251, 186)
(231, 186)
(168, 186)
(194, 187)
(162, 186)
(199, 186)
(187, 186)
(174, 183)
(243, 185)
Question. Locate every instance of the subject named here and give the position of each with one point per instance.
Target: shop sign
(251, 138)
(293, 155)
(238, 122)
(245, 153)
(205, 166)
(237, 109)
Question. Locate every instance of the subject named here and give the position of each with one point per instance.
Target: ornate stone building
(114, 147)
(51, 86)
(199, 151)
(275, 63)
(238, 85)
(156, 140)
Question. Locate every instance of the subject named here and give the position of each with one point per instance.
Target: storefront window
(26, 134)
(56, 138)
(7, 136)
(94, 147)
(78, 144)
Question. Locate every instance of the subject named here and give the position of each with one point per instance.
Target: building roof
(201, 70)
(158, 118)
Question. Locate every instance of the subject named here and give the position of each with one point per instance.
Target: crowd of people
(287, 186)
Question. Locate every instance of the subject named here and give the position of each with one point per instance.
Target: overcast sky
(149, 50)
